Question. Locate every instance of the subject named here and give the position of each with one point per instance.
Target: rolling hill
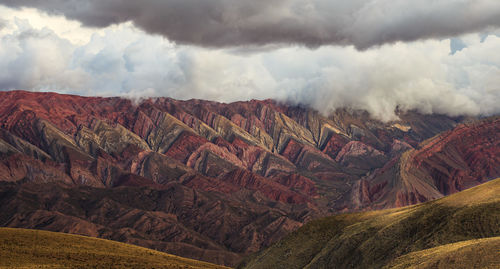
(462, 229)
(23, 248)
(477, 253)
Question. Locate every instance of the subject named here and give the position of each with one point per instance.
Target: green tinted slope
(375, 239)
(23, 248)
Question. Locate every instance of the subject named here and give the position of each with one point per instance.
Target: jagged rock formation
(239, 176)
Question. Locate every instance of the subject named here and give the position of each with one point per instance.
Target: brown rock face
(216, 181)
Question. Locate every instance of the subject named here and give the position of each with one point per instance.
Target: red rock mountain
(215, 181)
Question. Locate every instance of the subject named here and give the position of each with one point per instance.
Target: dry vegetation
(424, 234)
(479, 253)
(23, 248)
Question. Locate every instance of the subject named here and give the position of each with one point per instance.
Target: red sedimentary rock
(216, 181)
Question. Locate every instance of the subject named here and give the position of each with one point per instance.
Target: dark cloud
(224, 23)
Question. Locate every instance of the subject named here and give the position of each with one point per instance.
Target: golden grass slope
(21, 248)
(427, 233)
(479, 253)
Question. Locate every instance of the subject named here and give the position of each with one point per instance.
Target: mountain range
(215, 181)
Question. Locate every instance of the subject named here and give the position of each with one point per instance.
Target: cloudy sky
(440, 56)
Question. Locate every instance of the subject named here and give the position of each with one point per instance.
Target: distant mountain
(447, 163)
(215, 181)
(439, 234)
(20, 248)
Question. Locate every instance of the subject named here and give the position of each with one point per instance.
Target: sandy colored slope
(23, 248)
(480, 253)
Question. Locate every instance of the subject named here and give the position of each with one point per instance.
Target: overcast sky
(431, 55)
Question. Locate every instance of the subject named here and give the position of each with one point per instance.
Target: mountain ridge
(251, 171)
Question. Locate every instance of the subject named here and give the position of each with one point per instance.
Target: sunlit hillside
(23, 248)
(435, 234)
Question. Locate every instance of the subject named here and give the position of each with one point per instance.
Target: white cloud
(122, 60)
(67, 29)
(36, 59)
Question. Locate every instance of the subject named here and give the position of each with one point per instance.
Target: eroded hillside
(217, 181)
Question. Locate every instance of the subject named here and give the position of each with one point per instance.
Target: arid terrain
(215, 181)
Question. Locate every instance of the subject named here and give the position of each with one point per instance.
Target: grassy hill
(478, 253)
(421, 234)
(23, 248)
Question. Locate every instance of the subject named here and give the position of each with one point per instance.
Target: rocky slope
(217, 181)
(437, 234)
